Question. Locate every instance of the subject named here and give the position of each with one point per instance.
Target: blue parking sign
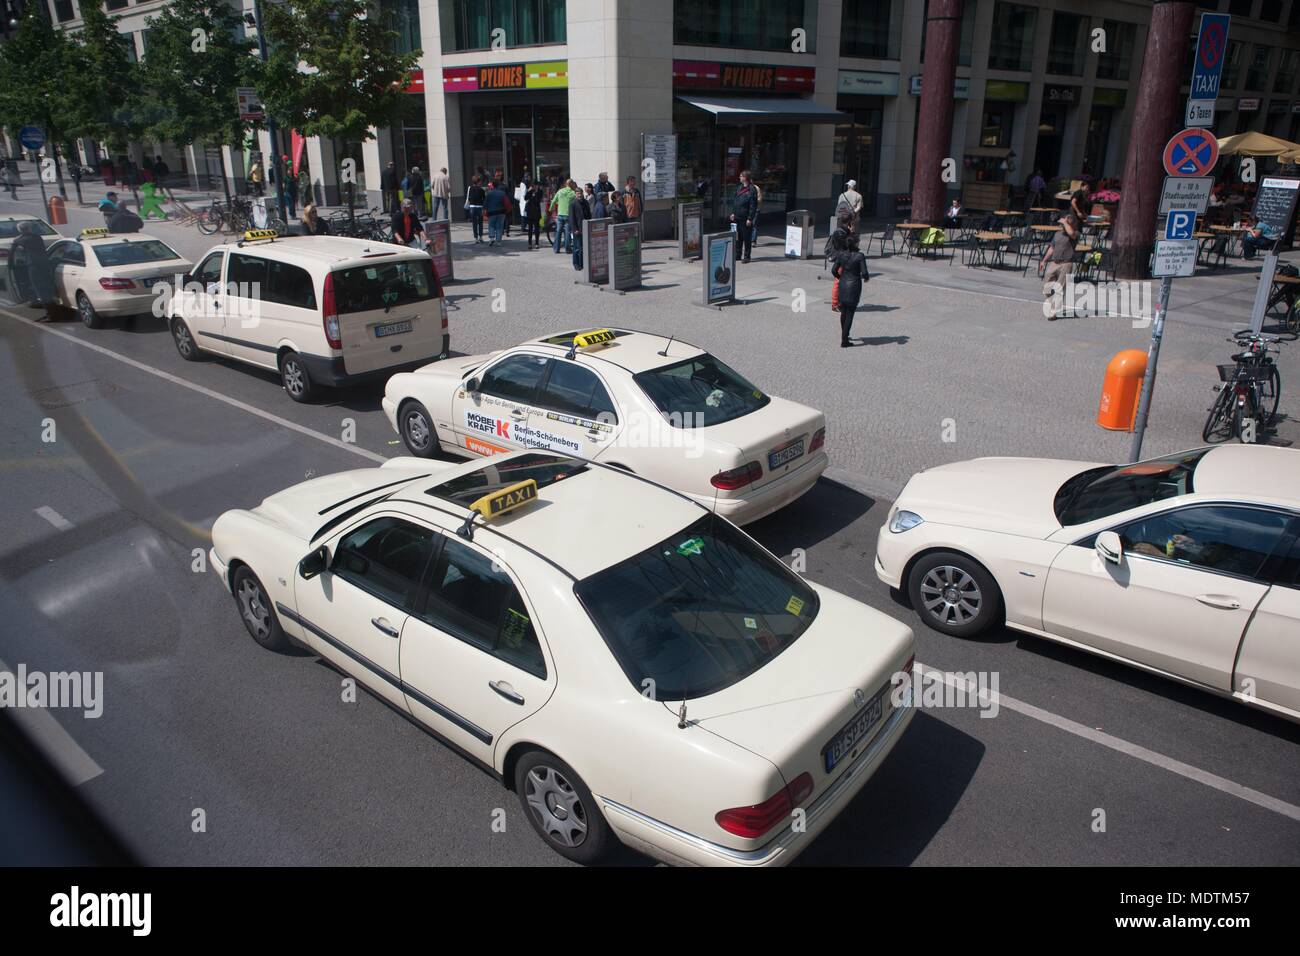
(1180, 224)
(1211, 51)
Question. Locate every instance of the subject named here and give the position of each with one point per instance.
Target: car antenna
(664, 353)
(681, 715)
(466, 530)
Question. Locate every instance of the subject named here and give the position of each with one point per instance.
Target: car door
(201, 305)
(495, 418)
(69, 259)
(573, 412)
(472, 658)
(354, 612)
(1181, 595)
(252, 322)
(1268, 666)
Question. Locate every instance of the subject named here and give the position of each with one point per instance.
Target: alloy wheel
(950, 595)
(556, 806)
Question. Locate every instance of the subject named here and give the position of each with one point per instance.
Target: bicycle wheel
(1270, 394)
(208, 221)
(1219, 424)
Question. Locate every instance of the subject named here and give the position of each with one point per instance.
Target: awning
(743, 110)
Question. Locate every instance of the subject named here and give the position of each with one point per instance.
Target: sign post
(33, 138)
(1211, 45)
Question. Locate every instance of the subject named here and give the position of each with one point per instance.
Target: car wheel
(185, 344)
(562, 809)
(293, 374)
(86, 312)
(954, 594)
(257, 612)
(416, 425)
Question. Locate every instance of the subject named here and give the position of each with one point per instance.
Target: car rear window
(9, 228)
(699, 391)
(493, 476)
(1101, 492)
(132, 253)
(699, 611)
(385, 286)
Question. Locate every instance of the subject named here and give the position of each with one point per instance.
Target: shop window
(1066, 47)
(869, 29)
(551, 141)
(1117, 61)
(967, 31)
(744, 24)
(1287, 67)
(403, 18)
(1261, 63)
(1012, 47)
(995, 128)
(469, 24)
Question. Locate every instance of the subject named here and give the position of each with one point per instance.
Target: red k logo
(503, 429)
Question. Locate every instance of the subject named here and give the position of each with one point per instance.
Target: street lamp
(254, 20)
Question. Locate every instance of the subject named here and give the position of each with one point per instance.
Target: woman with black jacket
(533, 198)
(851, 270)
(475, 196)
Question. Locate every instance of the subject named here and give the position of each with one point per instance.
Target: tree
(194, 67)
(333, 69)
(105, 82)
(34, 66)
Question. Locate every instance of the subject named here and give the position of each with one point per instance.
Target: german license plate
(855, 732)
(394, 328)
(783, 456)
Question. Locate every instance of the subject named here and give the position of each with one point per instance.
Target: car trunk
(377, 329)
(777, 436)
(145, 275)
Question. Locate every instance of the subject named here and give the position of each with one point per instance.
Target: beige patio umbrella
(1257, 144)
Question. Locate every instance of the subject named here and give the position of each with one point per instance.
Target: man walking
(561, 203)
(440, 187)
(415, 190)
(1056, 264)
(579, 212)
(495, 206)
(8, 179)
(744, 208)
(388, 185)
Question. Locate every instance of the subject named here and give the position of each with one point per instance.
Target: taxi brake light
(331, 314)
(753, 822)
(442, 302)
(116, 284)
(818, 440)
(737, 477)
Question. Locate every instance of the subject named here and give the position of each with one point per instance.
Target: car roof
(332, 251)
(583, 523)
(1265, 473)
(13, 216)
(631, 350)
(124, 237)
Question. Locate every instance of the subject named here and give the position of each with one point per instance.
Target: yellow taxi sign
(252, 234)
(507, 499)
(588, 339)
(94, 231)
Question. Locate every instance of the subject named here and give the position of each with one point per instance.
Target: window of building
(470, 24)
(1261, 63)
(1240, 8)
(128, 44)
(1121, 41)
(1012, 46)
(1287, 67)
(1270, 10)
(115, 4)
(967, 32)
(744, 24)
(868, 29)
(1067, 45)
(995, 128)
(403, 18)
(1231, 66)
(63, 10)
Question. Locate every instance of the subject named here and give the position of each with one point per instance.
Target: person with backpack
(579, 211)
(632, 201)
(850, 271)
(744, 208)
(415, 190)
(475, 196)
(850, 201)
(494, 204)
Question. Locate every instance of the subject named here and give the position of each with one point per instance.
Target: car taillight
(443, 304)
(753, 822)
(737, 477)
(818, 440)
(114, 285)
(330, 311)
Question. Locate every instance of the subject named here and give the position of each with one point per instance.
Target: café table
(910, 229)
(979, 251)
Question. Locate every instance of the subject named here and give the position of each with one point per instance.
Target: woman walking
(850, 270)
(533, 199)
(474, 200)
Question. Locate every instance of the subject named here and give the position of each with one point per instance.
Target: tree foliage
(34, 65)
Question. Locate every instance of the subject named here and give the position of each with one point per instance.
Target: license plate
(395, 328)
(855, 732)
(783, 456)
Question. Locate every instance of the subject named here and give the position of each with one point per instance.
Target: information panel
(719, 268)
(595, 245)
(624, 255)
(690, 230)
(1275, 202)
(438, 235)
(659, 170)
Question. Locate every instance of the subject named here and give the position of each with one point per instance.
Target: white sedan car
(646, 403)
(102, 274)
(1187, 566)
(9, 232)
(633, 666)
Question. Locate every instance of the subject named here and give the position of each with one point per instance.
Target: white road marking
(177, 380)
(74, 764)
(54, 518)
(1117, 744)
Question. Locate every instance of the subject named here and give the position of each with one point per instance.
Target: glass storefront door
(519, 154)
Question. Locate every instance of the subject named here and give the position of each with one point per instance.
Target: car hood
(1009, 495)
(455, 367)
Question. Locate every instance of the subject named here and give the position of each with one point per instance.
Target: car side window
(68, 253)
(290, 285)
(246, 276)
(574, 390)
(209, 269)
(479, 604)
(1227, 538)
(514, 379)
(386, 558)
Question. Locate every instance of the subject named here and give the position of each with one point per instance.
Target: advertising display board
(719, 268)
(438, 234)
(690, 230)
(1275, 201)
(595, 243)
(624, 255)
(659, 177)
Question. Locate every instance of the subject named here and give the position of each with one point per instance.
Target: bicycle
(1250, 390)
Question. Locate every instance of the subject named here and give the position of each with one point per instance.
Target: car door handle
(384, 626)
(506, 691)
(1224, 601)
(518, 415)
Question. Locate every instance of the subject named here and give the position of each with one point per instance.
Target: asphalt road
(197, 717)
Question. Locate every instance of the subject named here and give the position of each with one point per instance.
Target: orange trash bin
(1121, 390)
(58, 211)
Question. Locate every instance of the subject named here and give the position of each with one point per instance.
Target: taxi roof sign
(596, 337)
(507, 499)
(254, 234)
(94, 232)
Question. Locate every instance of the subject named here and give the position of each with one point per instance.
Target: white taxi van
(633, 666)
(319, 310)
(1187, 566)
(102, 274)
(649, 404)
(9, 232)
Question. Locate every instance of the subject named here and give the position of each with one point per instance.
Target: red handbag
(835, 296)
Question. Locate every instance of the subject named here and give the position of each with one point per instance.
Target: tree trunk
(934, 132)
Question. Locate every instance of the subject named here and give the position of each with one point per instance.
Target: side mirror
(314, 563)
(1109, 547)
(472, 384)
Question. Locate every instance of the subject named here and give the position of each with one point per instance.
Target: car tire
(86, 312)
(257, 612)
(954, 594)
(561, 809)
(416, 427)
(186, 347)
(295, 379)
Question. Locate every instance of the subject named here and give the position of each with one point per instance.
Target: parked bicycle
(235, 217)
(1250, 391)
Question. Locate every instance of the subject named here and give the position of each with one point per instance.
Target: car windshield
(9, 228)
(699, 611)
(132, 253)
(386, 286)
(544, 469)
(699, 391)
(1102, 492)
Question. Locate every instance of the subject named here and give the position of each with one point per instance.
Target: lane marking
(69, 759)
(210, 393)
(1117, 744)
(54, 518)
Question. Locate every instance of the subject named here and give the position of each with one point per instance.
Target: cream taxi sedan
(632, 665)
(1187, 566)
(9, 232)
(650, 404)
(102, 274)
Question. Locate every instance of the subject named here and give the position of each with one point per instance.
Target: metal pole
(36, 165)
(1153, 356)
(271, 129)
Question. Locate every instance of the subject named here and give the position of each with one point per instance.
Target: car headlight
(904, 521)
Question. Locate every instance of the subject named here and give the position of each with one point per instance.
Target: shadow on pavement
(823, 512)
